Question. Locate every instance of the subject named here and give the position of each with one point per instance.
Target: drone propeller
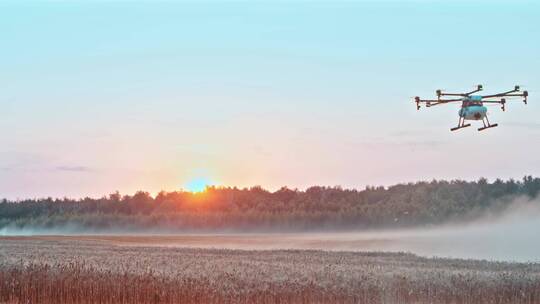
(478, 87)
(502, 104)
(417, 100)
(521, 87)
(524, 92)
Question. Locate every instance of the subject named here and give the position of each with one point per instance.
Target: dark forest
(256, 209)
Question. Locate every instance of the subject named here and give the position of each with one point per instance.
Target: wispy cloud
(73, 168)
(386, 144)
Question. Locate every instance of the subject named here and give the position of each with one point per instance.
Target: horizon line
(247, 188)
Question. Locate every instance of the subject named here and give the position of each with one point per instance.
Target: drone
(473, 106)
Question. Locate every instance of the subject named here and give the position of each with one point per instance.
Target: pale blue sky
(98, 96)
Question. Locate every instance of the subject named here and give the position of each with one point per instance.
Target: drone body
(473, 106)
(474, 110)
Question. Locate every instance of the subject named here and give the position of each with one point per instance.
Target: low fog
(511, 235)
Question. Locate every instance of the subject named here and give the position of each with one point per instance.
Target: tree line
(254, 209)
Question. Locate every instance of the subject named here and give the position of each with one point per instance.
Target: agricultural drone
(473, 107)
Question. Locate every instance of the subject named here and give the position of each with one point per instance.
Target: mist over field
(340, 267)
(508, 235)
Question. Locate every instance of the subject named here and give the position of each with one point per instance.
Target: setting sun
(198, 184)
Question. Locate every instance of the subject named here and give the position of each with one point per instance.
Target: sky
(104, 96)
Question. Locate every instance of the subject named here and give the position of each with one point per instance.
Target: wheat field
(85, 271)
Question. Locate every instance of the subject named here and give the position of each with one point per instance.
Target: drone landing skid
(488, 125)
(461, 124)
(460, 127)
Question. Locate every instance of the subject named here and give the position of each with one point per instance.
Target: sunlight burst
(198, 184)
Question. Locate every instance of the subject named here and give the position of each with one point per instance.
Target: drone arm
(443, 101)
(478, 89)
(498, 95)
(507, 93)
(452, 94)
(524, 94)
(501, 101)
(433, 102)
